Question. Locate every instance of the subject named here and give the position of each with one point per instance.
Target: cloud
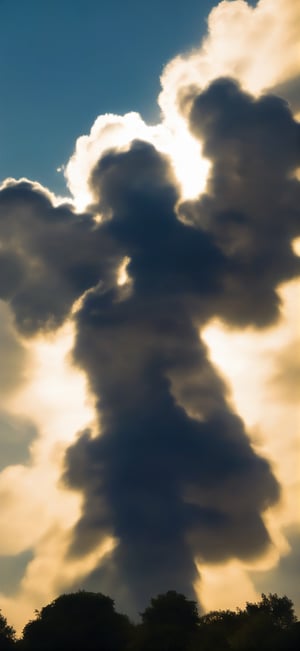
(141, 343)
(117, 132)
(43, 269)
(41, 417)
(254, 149)
(251, 360)
(166, 479)
(108, 131)
(211, 263)
(286, 378)
(258, 45)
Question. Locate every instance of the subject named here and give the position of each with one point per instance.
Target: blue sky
(62, 63)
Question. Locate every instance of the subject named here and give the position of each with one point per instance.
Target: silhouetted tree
(7, 634)
(87, 621)
(268, 625)
(263, 624)
(215, 629)
(288, 640)
(279, 610)
(81, 621)
(168, 624)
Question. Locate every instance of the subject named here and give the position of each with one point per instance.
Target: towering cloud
(169, 471)
(171, 474)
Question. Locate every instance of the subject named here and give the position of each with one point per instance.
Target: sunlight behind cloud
(258, 45)
(171, 137)
(247, 361)
(224, 587)
(123, 277)
(250, 362)
(56, 394)
(57, 570)
(56, 399)
(191, 168)
(108, 132)
(260, 48)
(296, 246)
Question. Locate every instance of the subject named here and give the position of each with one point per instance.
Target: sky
(64, 63)
(150, 301)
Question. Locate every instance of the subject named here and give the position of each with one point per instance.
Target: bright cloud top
(136, 455)
(259, 46)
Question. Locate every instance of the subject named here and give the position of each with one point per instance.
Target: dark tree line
(88, 621)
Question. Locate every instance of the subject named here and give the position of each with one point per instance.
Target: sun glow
(259, 375)
(190, 168)
(55, 398)
(122, 276)
(224, 587)
(56, 393)
(171, 137)
(296, 246)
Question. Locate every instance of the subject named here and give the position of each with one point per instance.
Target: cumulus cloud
(167, 478)
(43, 270)
(258, 45)
(250, 204)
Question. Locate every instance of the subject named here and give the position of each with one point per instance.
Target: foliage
(262, 623)
(7, 634)
(168, 624)
(77, 621)
(279, 610)
(215, 629)
(262, 626)
(88, 621)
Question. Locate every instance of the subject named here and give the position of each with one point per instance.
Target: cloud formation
(168, 472)
(48, 257)
(258, 45)
(250, 204)
(145, 342)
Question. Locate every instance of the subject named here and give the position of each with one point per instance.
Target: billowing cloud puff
(250, 204)
(43, 272)
(258, 45)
